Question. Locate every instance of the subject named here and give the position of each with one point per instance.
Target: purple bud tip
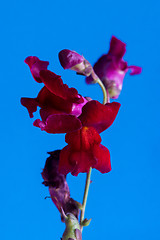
(69, 59)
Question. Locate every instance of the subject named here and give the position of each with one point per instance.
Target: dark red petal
(36, 65)
(31, 105)
(75, 161)
(135, 70)
(31, 60)
(99, 116)
(40, 124)
(58, 123)
(117, 48)
(46, 112)
(82, 160)
(64, 165)
(46, 99)
(55, 85)
(102, 155)
(83, 139)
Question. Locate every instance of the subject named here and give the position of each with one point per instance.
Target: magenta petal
(69, 59)
(77, 107)
(40, 124)
(117, 48)
(36, 65)
(135, 70)
(59, 123)
(31, 105)
(99, 116)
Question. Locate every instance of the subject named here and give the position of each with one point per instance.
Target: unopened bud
(74, 61)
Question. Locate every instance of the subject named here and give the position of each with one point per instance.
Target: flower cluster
(64, 110)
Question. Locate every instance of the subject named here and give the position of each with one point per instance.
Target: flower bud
(74, 61)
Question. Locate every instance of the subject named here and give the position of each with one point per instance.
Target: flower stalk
(64, 110)
(88, 181)
(106, 99)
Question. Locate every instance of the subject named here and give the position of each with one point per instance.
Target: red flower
(60, 105)
(63, 110)
(84, 149)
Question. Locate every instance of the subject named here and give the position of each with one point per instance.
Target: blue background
(123, 204)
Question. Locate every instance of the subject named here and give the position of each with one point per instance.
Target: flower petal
(84, 151)
(50, 172)
(46, 112)
(77, 107)
(102, 155)
(55, 85)
(46, 99)
(99, 116)
(135, 70)
(58, 123)
(64, 165)
(83, 139)
(117, 48)
(36, 65)
(75, 161)
(31, 105)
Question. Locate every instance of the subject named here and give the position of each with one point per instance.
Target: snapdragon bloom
(59, 105)
(84, 149)
(111, 68)
(63, 110)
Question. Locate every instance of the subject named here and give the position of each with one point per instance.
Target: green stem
(85, 196)
(106, 98)
(105, 95)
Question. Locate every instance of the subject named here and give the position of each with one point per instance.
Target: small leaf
(86, 222)
(79, 205)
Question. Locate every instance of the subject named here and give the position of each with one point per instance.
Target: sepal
(72, 230)
(86, 222)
